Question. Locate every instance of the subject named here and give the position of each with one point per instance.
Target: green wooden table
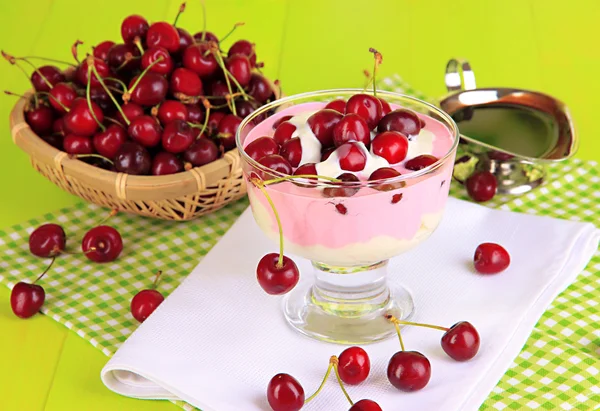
(307, 44)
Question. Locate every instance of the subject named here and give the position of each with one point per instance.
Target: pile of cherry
(158, 103)
(101, 244)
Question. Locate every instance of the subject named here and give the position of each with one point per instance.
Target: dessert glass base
(347, 305)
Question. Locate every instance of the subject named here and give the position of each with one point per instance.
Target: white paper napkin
(217, 340)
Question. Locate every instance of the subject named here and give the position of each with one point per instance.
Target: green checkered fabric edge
(556, 370)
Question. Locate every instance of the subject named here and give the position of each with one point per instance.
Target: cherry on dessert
(109, 141)
(391, 145)
(82, 72)
(348, 189)
(131, 110)
(102, 244)
(351, 127)
(245, 48)
(74, 144)
(186, 82)
(124, 58)
(178, 136)
(26, 299)
(239, 67)
(280, 120)
(50, 73)
(365, 405)
(366, 106)
(326, 153)
(195, 58)
(259, 87)
(276, 163)
(261, 147)
(491, 258)
(202, 151)
(351, 157)
(40, 119)
(47, 240)
(195, 115)
(385, 173)
(461, 342)
(409, 370)
(133, 158)
(145, 130)
(164, 66)
(337, 105)
(62, 96)
(420, 162)
(284, 132)
(385, 106)
(165, 163)
(291, 150)
(284, 393)
(144, 303)
(401, 120)
(354, 365)
(79, 120)
(481, 186)
(206, 36)
(101, 50)
(322, 124)
(151, 89)
(227, 129)
(163, 34)
(133, 26)
(171, 110)
(306, 169)
(275, 278)
(396, 198)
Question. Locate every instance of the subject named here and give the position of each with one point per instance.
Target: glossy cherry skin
(82, 72)
(195, 114)
(74, 144)
(133, 158)
(391, 145)
(178, 136)
(259, 87)
(218, 88)
(284, 393)
(186, 82)
(101, 50)
(79, 119)
(121, 58)
(365, 405)
(239, 67)
(280, 120)
(40, 119)
(62, 94)
(202, 151)
(420, 162)
(51, 73)
(385, 106)
(164, 66)
(144, 303)
(306, 169)
(351, 157)
(165, 163)
(346, 191)
(401, 120)
(26, 299)
(244, 108)
(366, 106)
(131, 110)
(384, 173)
(277, 280)
(409, 371)
(185, 40)
(322, 124)
(109, 141)
(134, 26)
(163, 34)
(461, 342)
(351, 127)
(47, 240)
(354, 365)
(291, 150)
(102, 244)
(481, 186)
(145, 130)
(284, 132)
(261, 147)
(491, 258)
(206, 36)
(171, 110)
(277, 163)
(337, 105)
(245, 48)
(214, 119)
(151, 89)
(227, 129)
(195, 59)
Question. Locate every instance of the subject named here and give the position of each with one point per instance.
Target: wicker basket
(177, 197)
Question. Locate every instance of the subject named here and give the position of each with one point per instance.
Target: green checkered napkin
(556, 370)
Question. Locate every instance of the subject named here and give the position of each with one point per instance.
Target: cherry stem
(337, 375)
(50, 85)
(90, 250)
(138, 44)
(329, 368)
(50, 60)
(78, 156)
(142, 74)
(113, 120)
(259, 184)
(128, 58)
(205, 124)
(435, 327)
(50, 96)
(158, 274)
(287, 178)
(112, 213)
(203, 5)
(116, 80)
(396, 322)
(74, 50)
(221, 63)
(87, 93)
(235, 26)
(114, 100)
(181, 10)
(378, 60)
(46, 270)
(228, 74)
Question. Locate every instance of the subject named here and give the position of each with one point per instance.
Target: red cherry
(165, 163)
(101, 50)
(348, 190)
(145, 130)
(74, 144)
(261, 147)
(186, 82)
(202, 151)
(40, 119)
(109, 141)
(481, 186)
(366, 106)
(58, 126)
(218, 88)
(285, 393)
(401, 120)
(280, 120)
(420, 162)
(354, 365)
(102, 244)
(102, 99)
(391, 145)
(351, 127)
(284, 132)
(124, 58)
(245, 48)
(55, 141)
(144, 303)
(196, 59)
(205, 36)
(277, 163)
(491, 258)
(178, 136)
(26, 299)
(244, 108)
(163, 34)
(326, 153)
(385, 106)
(171, 110)
(133, 158)
(409, 371)
(151, 89)
(322, 124)
(131, 110)
(47, 240)
(62, 94)
(133, 26)
(226, 131)
(82, 72)
(337, 105)
(239, 67)
(79, 119)
(50, 73)
(164, 66)
(461, 342)
(385, 173)
(351, 157)
(291, 150)
(195, 114)
(365, 405)
(214, 119)
(306, 169)
(259, 87)
(274, 279)
(185, 40)
(396, 198)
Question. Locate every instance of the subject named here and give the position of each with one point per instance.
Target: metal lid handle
(459, 75)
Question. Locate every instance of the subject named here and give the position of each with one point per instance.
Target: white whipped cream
(311, 146)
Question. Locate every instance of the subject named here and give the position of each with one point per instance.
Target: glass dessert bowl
(365, 209)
